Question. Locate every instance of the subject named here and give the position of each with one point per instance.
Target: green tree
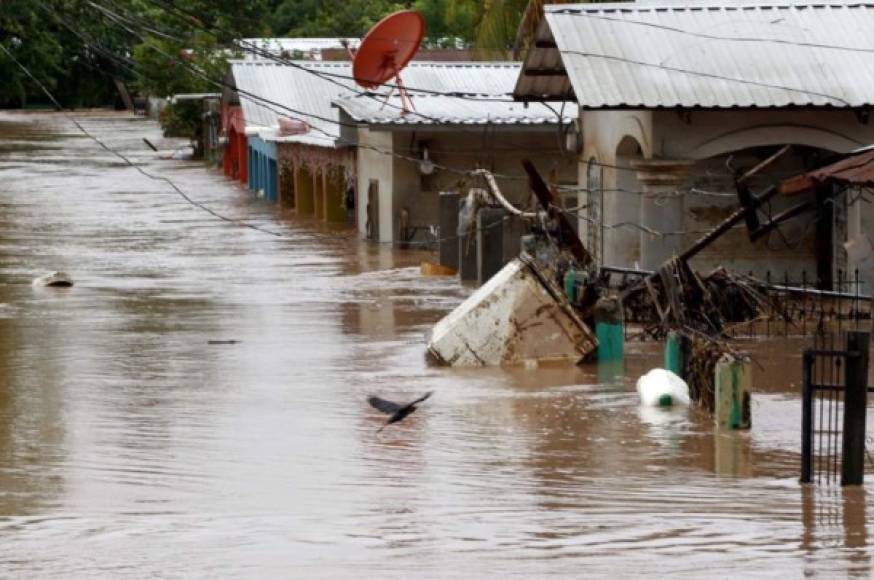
(340, 18)
(31, 44)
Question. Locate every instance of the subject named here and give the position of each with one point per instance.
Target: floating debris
(515, 317)
(54, 280)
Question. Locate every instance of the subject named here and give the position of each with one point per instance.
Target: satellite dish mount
(386, 50)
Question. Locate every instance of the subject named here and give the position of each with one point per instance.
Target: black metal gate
(834, 401)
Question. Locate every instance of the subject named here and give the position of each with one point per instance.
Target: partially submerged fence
(792, 306)
(834, 408)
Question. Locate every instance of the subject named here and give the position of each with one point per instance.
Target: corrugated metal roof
(309, 47)
(704, 55)
(294, 87)
(446, 110)
(856, 169)
(474, 78)
(484, 90)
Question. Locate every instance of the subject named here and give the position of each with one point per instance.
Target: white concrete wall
(709, 137)
(374, 164)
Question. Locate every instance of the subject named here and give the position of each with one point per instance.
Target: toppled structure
(519, 315)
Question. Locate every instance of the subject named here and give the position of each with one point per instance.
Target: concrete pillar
(489, 242)
(661, 212)
(467, 258)
(449, 228)
(733, 384)
(319, 193)
(304, 192)
(335, 194)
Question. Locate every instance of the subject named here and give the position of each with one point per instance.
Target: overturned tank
(518, 316)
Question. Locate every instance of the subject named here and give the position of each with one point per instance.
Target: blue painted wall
(263, 167)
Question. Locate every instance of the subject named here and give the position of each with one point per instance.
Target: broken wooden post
(550, 202)
(609, 329)
(733, 379)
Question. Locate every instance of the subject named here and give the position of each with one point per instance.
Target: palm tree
(506, 27)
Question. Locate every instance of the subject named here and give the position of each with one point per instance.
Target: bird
(662, 388)
(397, 411)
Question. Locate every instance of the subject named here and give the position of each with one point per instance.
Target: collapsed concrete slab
(515, 317)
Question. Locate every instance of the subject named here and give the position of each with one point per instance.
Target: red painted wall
(236, 159)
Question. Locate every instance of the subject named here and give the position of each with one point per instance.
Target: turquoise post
(674, 355)
(609, 329)
(570, 285)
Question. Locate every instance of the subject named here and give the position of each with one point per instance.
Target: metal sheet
(704, 55)
(511, 319)
(297, 87)
(444, 110)
(294, 87)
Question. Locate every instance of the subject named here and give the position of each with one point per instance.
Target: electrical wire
(709, 36)
(605, 226)
(263, 102)
(340, 123)
(168, 5)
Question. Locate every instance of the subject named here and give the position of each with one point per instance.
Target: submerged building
(677, 100)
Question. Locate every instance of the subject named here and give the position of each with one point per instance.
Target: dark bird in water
(398, 412)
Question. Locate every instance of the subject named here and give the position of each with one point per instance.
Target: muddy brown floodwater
(132, 447)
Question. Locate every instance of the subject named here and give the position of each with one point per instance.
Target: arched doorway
(621, 240)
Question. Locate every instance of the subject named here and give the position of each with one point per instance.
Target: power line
(122, 156)
(263, 102)
(703, 74)
(219, 216)
(192, 20)
(708, 36)
(663, 196)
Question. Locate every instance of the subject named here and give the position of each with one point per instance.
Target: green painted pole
(609, 330)
(674, 360)
(733, 384)
(570, 285)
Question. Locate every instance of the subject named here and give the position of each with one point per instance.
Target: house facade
(406, 159)
(679, 100)
(291, 137)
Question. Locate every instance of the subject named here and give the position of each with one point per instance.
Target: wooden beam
(798, 184)
(764, 163)
(544, 72)
(545, 44)
(551, 203)
(727, 224)
(781, 217)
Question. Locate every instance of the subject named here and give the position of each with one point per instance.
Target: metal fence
(834, 407)
(797, 306)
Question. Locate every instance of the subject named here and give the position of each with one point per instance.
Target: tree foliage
(77, 50)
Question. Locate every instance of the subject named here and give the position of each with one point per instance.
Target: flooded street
(131, 446)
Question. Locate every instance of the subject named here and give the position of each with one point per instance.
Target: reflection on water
(836, 519)
(131, 445)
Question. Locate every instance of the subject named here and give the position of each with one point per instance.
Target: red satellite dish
(387, 49)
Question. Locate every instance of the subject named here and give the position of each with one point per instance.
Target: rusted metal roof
(855, 169)
(703, 55)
